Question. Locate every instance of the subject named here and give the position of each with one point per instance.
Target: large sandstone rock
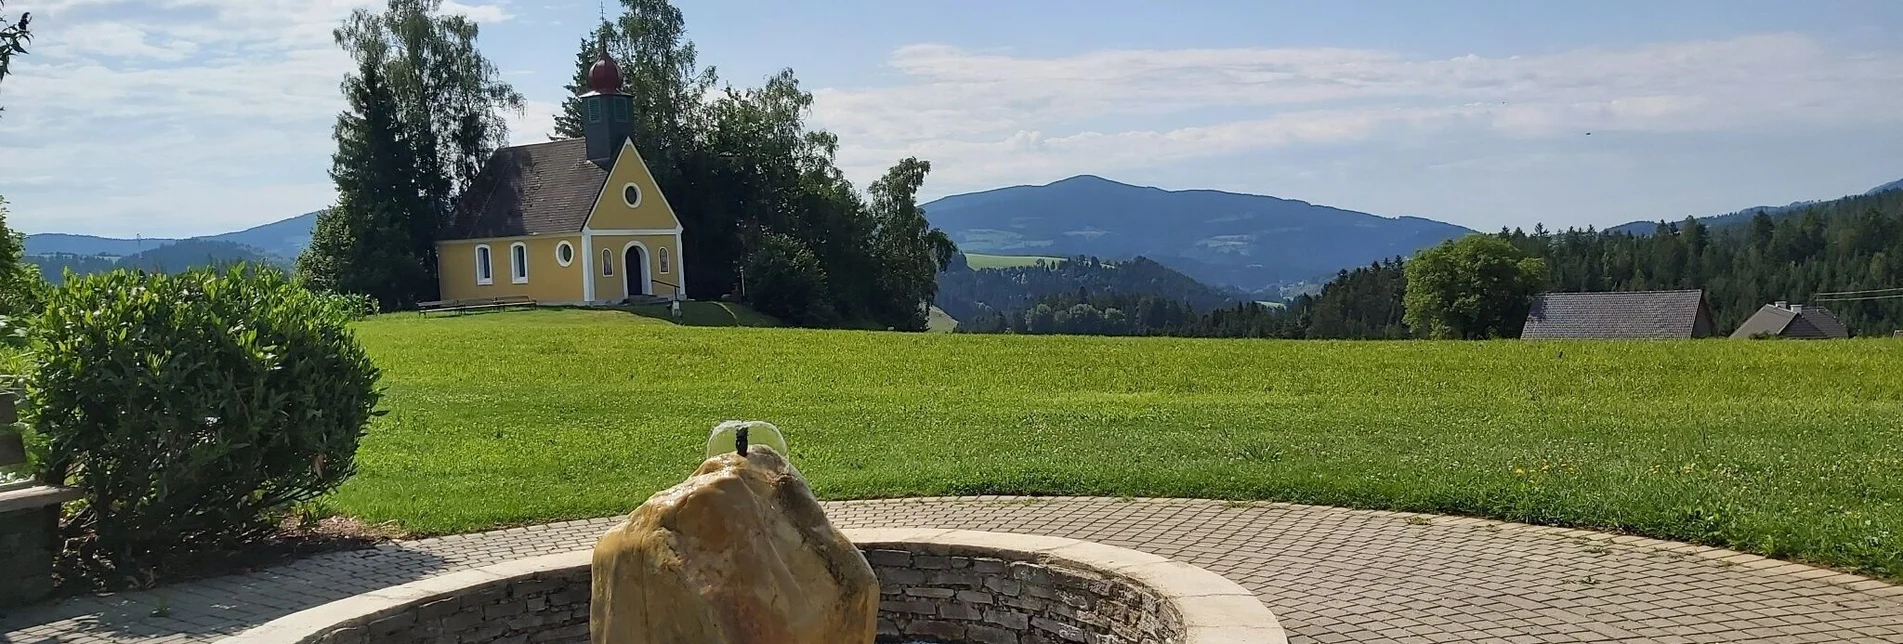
(739, 553)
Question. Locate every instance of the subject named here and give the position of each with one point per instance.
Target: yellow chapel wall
(549, 282)
(611, 288)
(650, 212)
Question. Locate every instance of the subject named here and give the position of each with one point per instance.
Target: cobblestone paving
(1330, 575)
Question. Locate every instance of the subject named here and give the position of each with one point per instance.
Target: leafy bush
(191, 409)
(355, 306)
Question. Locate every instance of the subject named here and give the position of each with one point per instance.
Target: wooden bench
(477, 304)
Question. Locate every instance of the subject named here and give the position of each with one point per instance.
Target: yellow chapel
(570, 222)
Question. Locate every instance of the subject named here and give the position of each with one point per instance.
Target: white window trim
(558, 253)
(518, 269)
(485, 266)
(639, 194)
(665, 259)
(607, 262)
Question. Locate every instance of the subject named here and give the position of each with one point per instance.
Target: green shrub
(193, 409)
(786, 281)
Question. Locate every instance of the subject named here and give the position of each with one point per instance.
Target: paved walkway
(1330, 575)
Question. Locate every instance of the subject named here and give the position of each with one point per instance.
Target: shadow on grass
(701, 314)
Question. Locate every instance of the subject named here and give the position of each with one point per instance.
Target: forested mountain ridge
(1252, 242)
(1745, 215)
(967, 294)
(1849, 244)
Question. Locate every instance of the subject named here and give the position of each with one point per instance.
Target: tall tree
(908, 249)
(19, 282)
(449, 106)
(365, 244)
(1475, 287)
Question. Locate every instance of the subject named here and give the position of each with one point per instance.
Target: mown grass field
(1787, 448)
(981, 261)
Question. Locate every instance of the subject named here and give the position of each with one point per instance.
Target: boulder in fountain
(739, 553)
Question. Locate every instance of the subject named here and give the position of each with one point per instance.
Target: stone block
(931, 562)
(915, 607)
(1003, 586)
(975, 597)
(955, 610)
(888, 627)
(1063, 631)
(1008, 619)
(980, 634)
(953, 578)
(939, 593)
(938, 629)
(901, 576)
(1031, 573)
(893, 558)
(987, 565)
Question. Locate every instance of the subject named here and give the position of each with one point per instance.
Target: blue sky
(184, 117)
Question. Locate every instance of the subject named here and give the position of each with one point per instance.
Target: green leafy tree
(14, 36)
(909, 251)
(366, 242)
(1475, 287)
(20, 286)
(448, 103)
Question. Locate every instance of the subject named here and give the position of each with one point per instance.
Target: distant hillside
(1739, 217)
(964, 292)
(174, 257)
(1251, 242)
(283, 239)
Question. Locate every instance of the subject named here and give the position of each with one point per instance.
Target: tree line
(1481, 286)
(767, 215)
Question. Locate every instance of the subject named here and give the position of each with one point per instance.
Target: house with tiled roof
(1786, 320)
(1630, 315)
(576, 221)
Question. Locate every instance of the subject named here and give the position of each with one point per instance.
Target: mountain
(1252, 242)
(281, 239)
(1742, 216)
(173, 257)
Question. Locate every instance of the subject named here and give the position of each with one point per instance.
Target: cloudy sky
(186, 117)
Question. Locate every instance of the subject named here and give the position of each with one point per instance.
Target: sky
(168, 118)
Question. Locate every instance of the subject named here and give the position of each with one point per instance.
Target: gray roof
(533, 189)
(1813, 322)
(1615, 315)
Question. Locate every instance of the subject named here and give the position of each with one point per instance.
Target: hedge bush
(193, 409)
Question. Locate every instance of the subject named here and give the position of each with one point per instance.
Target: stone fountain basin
(953, 586)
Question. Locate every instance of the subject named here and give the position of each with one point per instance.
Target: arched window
(484, 274)
(519, 263)
(663, 257)
(565, 253)
(607, 263)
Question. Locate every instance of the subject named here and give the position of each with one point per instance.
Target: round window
(565, 253)
(631, 194)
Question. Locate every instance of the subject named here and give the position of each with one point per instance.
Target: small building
(576, 221)
(1630, 315)
(1786, 320)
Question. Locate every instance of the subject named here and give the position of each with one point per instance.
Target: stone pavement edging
(1331, 575)
(1212, 610)
(1681, 549)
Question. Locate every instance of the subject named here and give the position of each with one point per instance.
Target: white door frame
(647, 281)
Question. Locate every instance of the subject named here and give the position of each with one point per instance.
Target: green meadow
(1791, 449)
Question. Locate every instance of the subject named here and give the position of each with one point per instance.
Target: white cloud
(968, 111)
(175, 117)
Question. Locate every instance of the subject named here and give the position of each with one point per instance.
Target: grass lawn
(1789, 448)
(982, 261)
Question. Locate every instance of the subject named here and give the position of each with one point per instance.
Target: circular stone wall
(935, 585)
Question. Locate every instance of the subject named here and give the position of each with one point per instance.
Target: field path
(1329, 574)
